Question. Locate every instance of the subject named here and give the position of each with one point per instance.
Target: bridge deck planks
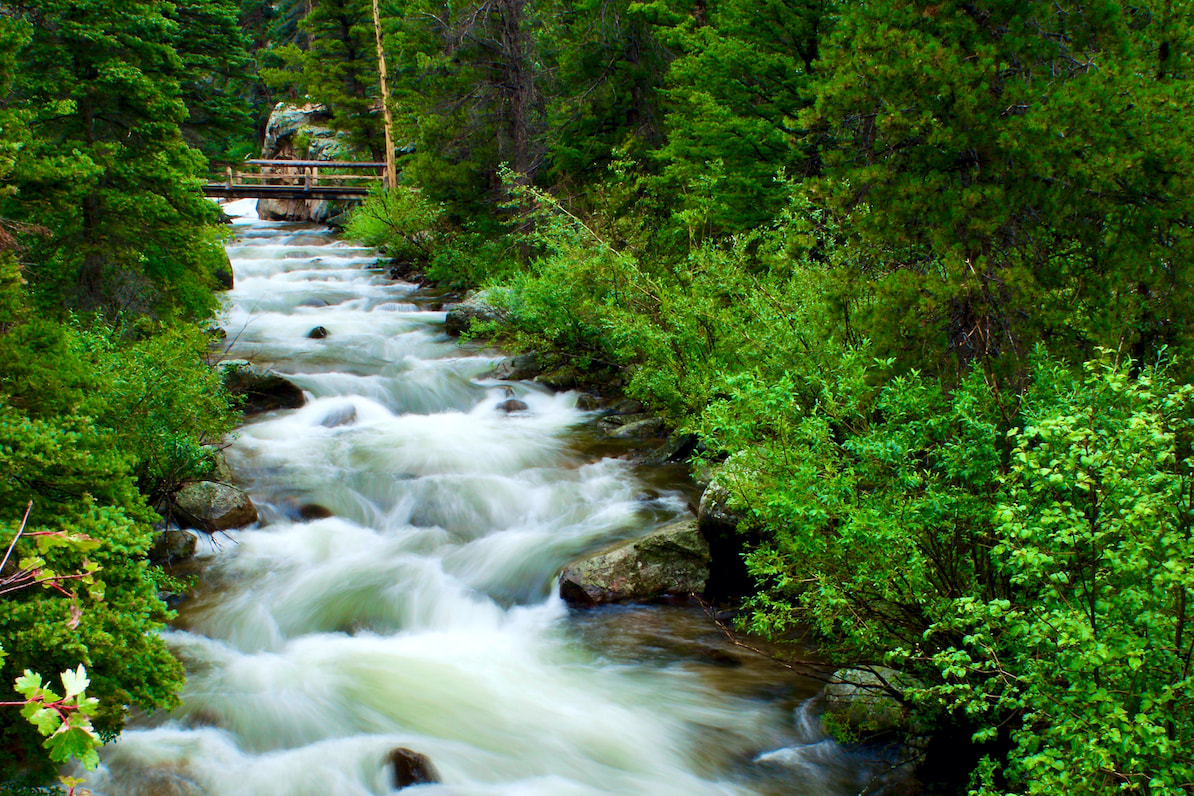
(222, 191)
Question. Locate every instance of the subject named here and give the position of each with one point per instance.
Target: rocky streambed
(392, 618)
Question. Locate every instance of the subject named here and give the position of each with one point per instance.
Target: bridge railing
(298, 178)
(307, 173)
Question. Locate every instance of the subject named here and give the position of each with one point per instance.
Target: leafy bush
(89, 426)
(1036, 578)
(1092, 654)
(402, 221)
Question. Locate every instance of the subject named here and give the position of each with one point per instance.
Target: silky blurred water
(421, 613)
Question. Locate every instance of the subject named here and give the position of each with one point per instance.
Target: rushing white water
(421, 613)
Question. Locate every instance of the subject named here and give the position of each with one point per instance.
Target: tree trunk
(382, 79)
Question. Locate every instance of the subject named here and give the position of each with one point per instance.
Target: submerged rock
(259, 388)
(672, 560)
(412, 768)
(513, 405)
(211, 506)
(340, 416)
(314, 511)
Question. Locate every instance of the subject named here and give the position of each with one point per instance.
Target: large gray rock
(677, 449)
(259, 388)
(301, 133)
(220, 471)
(476, 308)
(211, 506)
(672, 560)
(518, 368)
(641, 429)
(866, 701)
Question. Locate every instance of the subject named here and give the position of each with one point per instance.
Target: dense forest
(915, 273)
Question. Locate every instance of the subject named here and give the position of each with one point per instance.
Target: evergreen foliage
(106, 248)
(105, 170)
(918, 274)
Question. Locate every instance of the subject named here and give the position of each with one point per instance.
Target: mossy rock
(865, 702)
(211, 506)
(672, 560)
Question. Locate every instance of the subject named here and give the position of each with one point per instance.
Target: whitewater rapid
(399, 590)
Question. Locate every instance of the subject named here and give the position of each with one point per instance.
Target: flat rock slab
(672, 560)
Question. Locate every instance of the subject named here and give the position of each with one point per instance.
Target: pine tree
(106, 170)
(337, 68)
(1015, 172)
(745, 73)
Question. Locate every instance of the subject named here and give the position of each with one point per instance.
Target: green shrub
(91, 426)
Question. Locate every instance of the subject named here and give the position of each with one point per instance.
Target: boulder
(677, 449)
(672, 560)
(647, 427)
(866, 701)
(211, 506)
(318, 333)
(567, 377)
(220, 471)
(172, 545)
(714, 513)
(517, 368)
(296, 132)
(587, 402)
(412, 768)
(513, 405)
(613, 422)
(477, 308)
(260, 388)
(627, 406)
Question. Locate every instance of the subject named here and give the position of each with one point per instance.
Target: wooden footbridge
(298, 179)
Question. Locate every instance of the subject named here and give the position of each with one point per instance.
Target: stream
(399, 590)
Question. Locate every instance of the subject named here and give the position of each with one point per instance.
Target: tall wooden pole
(383, 79)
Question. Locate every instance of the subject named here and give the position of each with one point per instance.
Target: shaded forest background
(916, 273)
